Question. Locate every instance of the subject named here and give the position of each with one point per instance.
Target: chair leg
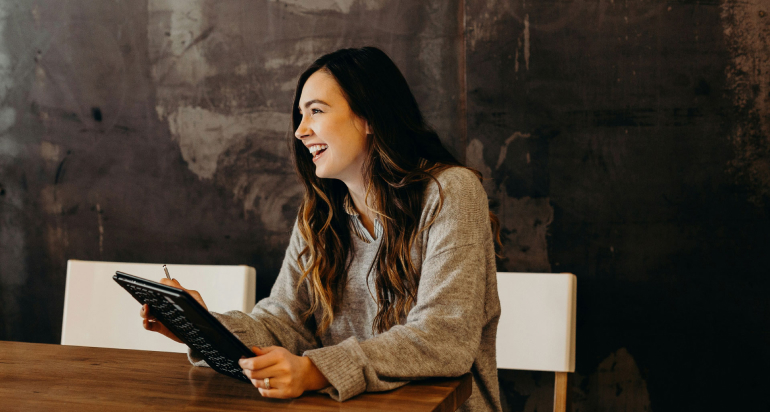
(560, 389)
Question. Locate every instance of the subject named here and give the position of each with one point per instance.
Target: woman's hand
(151, 323)
(290, 375)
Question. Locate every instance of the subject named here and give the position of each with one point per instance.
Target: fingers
(148, 321)
(155, 326)
(273, 392)
(258, 351)
(196, 296)
(260, 361)
(276, 363)
(151, 323)
(261, 374)
(277, 390)
(260, 384)
(268, 393)
(265, 350)
(171, 282)
(151, 326)
(144, 312)
(175, 284)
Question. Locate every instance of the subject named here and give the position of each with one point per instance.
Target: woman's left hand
(290, 375)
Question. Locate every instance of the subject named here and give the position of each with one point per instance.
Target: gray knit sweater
(450, 331)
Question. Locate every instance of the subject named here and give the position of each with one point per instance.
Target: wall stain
(524, 220)
(14, 271)
(615, 386)
(203, 135)
(254, 170)
(225, 97)
(618, 375)
(746, 32)
(485, 24)
(59, 172)
(341, 6)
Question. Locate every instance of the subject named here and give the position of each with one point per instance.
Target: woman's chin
(320, 173)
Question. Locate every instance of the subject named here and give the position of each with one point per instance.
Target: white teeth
(316, 147)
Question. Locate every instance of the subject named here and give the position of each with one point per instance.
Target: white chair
(537, 326)
(98, 312)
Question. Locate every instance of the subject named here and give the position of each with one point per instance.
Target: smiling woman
(331, 131)
(390, 272)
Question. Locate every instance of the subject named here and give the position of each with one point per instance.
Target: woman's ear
(368, 129)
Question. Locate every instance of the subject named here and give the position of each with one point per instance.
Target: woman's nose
(302, 130)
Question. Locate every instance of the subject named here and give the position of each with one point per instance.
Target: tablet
(190, 322)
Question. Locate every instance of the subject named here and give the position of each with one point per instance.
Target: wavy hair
(404, 155)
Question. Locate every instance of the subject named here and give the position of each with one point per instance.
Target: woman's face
(330, 130)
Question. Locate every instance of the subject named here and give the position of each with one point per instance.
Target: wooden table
(54, 377)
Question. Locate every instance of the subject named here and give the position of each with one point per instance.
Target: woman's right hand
(153, 324)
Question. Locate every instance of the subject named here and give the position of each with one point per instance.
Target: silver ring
(267, 383)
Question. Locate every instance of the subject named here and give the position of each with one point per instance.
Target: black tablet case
(190, 322)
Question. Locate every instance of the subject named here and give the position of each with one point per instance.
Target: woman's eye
(314, 111)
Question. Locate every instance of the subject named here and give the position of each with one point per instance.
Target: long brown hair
(404, 155)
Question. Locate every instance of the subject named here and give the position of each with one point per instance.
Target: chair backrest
(98, 312)
(537, 324)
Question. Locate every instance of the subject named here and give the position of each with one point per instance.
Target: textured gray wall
(627, 142)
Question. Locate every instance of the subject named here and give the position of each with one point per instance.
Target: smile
(317, 150)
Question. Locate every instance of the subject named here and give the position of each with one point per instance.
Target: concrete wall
(625, 141)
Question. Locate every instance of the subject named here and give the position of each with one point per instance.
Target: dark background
(627, 142)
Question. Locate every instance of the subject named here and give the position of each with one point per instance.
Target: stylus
(166, 270)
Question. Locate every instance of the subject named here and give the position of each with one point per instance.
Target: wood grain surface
(54, 377)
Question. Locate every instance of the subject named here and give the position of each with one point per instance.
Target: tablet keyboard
(174, 319)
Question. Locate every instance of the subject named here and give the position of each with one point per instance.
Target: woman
(390, 271)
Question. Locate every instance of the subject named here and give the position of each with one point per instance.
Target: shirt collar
(357, 225)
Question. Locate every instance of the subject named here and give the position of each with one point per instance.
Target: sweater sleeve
(275, 320)
(442, 332)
